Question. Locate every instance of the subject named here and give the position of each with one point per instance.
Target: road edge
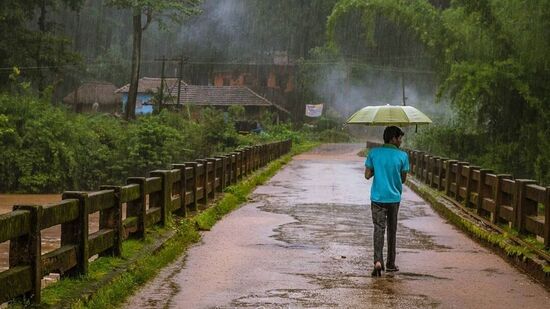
(164, 243)
(520, 257)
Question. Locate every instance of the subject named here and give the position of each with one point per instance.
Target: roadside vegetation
(47, 149)
(111, 279)
(491, 59)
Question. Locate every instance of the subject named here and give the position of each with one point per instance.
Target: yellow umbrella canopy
(387, 115)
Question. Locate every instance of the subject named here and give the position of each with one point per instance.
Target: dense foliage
(493, 60)
(48, 149)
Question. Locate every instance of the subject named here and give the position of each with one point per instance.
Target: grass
(138, 263)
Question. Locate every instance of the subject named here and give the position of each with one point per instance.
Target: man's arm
(368, 173)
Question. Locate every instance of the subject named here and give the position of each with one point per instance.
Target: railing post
(182, 189)
(439, 184)
(432, 171)
(214, 175)
(481, 189)
(195, 184)
(547, 219)
(138, 208)
(426, 169)
(468, 185)
(166, 194)
(204, 183)
(458, 177)
(419, 164)
(448, 172)
(498, 196)
(111, 218)
(26, 250)
(76, 232)
(521, 209)
(222, 172)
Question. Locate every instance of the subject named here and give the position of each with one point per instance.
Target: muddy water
(51, 236)
(305, 240)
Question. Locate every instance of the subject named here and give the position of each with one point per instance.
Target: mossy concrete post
(239, 155)
(440, 164)
(448, 178)
(412, 161)
(232, 173)
(213, 161)
(523, 207)
(262, 155)
(194, 166)
(26, 250)
(236, 166)
(111, 218)
(481, 192)
(419, 161)
(243, 162)
(76, 232)
(497, 195)
(182, 189)
(469, 184)
(138, 208)
(547, 219)
(165, 200)
(204, 180)
(248, 160)
(223, 162)
(458, 175)
(433, 171)
(256, 157)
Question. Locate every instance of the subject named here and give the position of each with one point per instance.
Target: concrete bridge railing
(147, 200)
(499, 198)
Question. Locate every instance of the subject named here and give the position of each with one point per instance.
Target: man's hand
(368, 173)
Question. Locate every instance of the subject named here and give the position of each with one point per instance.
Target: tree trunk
(42, 28)
(136, 59)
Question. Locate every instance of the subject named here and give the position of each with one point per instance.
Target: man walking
(389, 165)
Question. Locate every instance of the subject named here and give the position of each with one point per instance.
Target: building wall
(142, 106)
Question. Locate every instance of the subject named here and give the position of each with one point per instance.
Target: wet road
(305, 240)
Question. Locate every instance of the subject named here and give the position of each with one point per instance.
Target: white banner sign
(314, 110)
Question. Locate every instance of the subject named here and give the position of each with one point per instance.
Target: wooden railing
(149, 201)
(499, 198)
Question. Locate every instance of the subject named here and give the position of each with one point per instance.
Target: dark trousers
(382, 214)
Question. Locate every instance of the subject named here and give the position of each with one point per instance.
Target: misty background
(230, 34)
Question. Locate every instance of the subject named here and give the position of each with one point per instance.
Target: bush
(49, 149)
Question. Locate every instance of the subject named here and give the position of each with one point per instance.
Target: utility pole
(161, 98)
(403, 88)
(182, 61)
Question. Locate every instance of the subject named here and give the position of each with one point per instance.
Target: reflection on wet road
(305, 240)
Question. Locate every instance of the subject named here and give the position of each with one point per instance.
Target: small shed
(95, 96)
(223, 97)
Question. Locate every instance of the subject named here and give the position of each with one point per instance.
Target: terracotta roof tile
(148, 84)
(221, 96)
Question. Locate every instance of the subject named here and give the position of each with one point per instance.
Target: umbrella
(384, 115)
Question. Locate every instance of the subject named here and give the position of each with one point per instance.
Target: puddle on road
(340, 235)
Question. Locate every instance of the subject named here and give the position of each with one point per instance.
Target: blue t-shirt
(387, 163)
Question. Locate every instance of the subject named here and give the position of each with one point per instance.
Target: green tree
(175, 10)
(36, 48)
(493, 60)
